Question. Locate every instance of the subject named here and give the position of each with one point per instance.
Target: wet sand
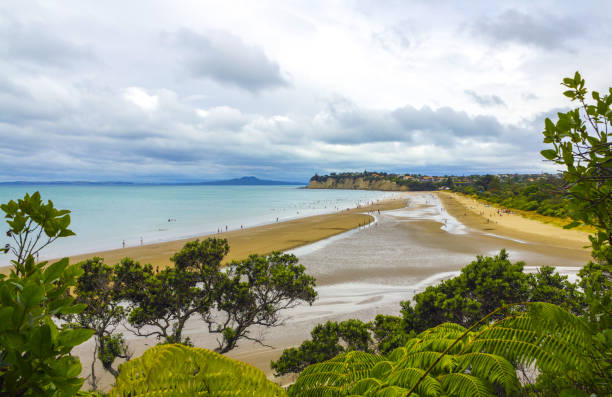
(369, 270)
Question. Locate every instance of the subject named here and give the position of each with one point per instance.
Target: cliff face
(356, 183)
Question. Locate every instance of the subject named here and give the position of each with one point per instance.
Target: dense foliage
(539, 193)
(179, 370)
(582, 146)
(452, 360)
(230, 300)
(97, 288)
(35, 355)
(484, 285)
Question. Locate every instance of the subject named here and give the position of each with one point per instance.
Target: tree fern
(179, 370)
(451, 360)
(421, 364)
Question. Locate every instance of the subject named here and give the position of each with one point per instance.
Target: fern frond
(366, 386)
(425, 359)
(173, 370)
(318, 391)
(464, 385)
(381, 370)
(444, 328)
(398, 353)
(495, 369)
(408, 377)
(394, 391)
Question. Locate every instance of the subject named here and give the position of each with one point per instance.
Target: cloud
(485, 100)
(529, 96)
(101, 92)
(228, 60)
(512, 26)
(36, 44)
(141, 98)
(392, 39)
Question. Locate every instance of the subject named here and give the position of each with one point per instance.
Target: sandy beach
(415, 242)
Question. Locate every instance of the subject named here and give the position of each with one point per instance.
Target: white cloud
(141, 98)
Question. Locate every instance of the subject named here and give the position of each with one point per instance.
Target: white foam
(429, 207)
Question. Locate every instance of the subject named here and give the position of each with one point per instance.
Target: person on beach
(123, 243)
(140, 240)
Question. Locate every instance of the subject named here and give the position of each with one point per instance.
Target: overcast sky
(195, 90)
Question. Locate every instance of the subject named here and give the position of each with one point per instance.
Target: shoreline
(369, 270)
(486, 219)
(261, 239)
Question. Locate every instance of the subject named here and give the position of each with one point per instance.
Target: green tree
(33, 225)
(327, 341)
(97, 289)
(581, 144)
(389, 333)
(254, 292)
(483, 285)
(35, 357)
(160, 303)
(583, 148)
(451, 360)
(247, 293)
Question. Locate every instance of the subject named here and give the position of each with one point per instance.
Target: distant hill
(249, 181)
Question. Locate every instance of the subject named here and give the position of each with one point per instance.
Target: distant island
(247, 181)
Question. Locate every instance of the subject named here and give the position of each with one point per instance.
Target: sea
(107, 216)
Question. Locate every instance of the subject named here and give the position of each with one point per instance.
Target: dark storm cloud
(448, 122)
(485, 100)
(541, 30)
(227, 59)
(345, 123)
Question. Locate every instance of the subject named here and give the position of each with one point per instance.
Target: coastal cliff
(378, 181)
(355, 183)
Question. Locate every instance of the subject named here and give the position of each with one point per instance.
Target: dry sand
(489, 218)
(369, 270)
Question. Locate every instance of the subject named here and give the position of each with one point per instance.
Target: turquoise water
(105, 216)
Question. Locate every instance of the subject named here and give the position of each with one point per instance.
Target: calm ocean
(104, 216)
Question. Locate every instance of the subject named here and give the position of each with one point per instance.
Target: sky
(163, 91)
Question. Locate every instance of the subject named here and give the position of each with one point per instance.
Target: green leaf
(6, 314)
(549, 154)
(54, 271)
(73, 309)
(549, 125)
(573, 393)
(40, 341)
(74, 337)
(32, 294)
